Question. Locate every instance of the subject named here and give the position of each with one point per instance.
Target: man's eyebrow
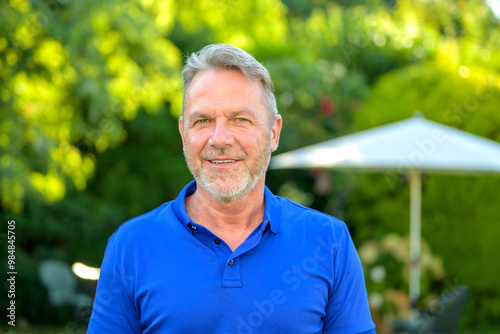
(198, 115)
(237, 113)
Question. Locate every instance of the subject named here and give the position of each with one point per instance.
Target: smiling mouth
(221, 162)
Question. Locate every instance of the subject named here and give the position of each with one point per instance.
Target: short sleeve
(347, 310)
(114, 310)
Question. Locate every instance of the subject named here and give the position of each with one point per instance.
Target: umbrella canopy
(409, 146)
(414, 143)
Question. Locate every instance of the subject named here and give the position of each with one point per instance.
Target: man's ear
(275, 133)
(181, 131)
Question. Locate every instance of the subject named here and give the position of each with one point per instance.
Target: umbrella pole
(415, 176)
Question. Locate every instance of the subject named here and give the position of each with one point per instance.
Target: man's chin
(226, 193)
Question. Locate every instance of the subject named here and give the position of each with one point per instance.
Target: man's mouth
(221, 162)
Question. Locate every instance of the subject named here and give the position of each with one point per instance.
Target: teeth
(222, 161)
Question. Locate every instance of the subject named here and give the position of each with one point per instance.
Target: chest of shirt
(201, 287)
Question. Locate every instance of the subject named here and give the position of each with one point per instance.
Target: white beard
(231, 185)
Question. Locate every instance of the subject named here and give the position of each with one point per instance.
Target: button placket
(231, 276)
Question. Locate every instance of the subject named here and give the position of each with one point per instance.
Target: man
(227, 256)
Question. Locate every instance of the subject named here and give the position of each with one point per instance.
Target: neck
(232, 222)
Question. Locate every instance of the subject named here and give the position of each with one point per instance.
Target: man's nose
(221, 135)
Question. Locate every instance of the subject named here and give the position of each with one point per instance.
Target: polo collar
(272, 209)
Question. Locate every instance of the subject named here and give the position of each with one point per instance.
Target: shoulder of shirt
(289, 207)
(140, 222)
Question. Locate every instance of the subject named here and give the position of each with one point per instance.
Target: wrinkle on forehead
(204, 81)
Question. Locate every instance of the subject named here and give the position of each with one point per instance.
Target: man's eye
(202, 121)
(241, 119)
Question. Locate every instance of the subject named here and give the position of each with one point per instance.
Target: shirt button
(231, 262)
(217, 241)
(194, 228)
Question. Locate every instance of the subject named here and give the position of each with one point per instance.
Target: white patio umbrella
(410, 146)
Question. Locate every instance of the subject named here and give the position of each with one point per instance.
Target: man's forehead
(216, 75)
(222, 84)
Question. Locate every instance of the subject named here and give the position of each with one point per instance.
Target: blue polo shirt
(297, 272)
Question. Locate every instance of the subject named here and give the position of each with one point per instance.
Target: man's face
(226, 133)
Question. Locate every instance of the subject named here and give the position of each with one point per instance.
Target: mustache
(222, 152)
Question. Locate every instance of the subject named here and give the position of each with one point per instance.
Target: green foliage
(459, 88)
(72, 73)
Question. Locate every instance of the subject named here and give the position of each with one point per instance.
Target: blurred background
(90, 94)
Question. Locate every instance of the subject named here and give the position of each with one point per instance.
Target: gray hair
(229, 57)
